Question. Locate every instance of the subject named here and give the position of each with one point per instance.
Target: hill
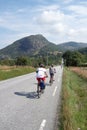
(37, 45)
(71, 46)
(83, 50)
(26, 46)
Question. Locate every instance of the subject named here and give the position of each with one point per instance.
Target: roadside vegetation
(74, 99)
(10, 68)
(7, 72)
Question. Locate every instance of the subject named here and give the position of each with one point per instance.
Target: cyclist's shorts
(51, 74)
(41, 79)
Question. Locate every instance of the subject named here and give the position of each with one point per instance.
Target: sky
(58, 21)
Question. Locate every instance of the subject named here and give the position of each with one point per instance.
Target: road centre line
(54, 90)
(42, 124)
(58, 79)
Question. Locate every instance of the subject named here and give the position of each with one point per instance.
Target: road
(20, 109)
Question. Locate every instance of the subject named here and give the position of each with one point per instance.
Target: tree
(67, 58)
(21, 61)
(72, 58)
(9, 62)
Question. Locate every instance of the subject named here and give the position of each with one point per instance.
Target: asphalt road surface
(20, 108)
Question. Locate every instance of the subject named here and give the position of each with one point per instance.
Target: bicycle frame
(40, 88)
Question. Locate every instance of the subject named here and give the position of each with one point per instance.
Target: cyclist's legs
(38, 86)
(43, 79)
(51, 77)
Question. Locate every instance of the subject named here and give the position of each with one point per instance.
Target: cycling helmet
(52, 65)
(41, 65)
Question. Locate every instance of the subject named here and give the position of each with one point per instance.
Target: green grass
(6, 74)
(74, 102)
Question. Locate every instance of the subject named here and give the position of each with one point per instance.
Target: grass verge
(14, 72)
(74, 102)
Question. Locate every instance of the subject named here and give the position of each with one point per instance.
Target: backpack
(51, 70)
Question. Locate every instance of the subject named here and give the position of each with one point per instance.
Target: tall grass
(13, 72)
(74, 102)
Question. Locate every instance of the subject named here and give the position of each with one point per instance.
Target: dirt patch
(80, 70)
(7, 68)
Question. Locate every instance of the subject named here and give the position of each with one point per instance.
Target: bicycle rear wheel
(38, 90)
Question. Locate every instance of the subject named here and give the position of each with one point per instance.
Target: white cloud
(67, 1)
(50, 17)
(79, 9)
(21, 10)
(56, 22)
(59, 28)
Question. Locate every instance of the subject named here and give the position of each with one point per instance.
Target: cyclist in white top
(41, 73)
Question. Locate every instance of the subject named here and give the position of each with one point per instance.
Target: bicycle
(40, 88)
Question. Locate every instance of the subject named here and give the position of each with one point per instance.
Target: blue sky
(57, 20)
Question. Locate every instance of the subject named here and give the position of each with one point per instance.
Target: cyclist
(41, 74)
(52, 70)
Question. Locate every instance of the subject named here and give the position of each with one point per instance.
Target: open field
(74, 99)
(7, 72)
(82, 71)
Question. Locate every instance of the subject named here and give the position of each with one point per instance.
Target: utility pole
(47, 59)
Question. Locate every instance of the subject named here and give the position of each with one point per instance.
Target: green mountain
(71, 46)
(83, 50)
(28, 46)
(34, 45)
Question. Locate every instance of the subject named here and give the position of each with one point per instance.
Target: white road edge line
(42, 124)
(54, 90)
